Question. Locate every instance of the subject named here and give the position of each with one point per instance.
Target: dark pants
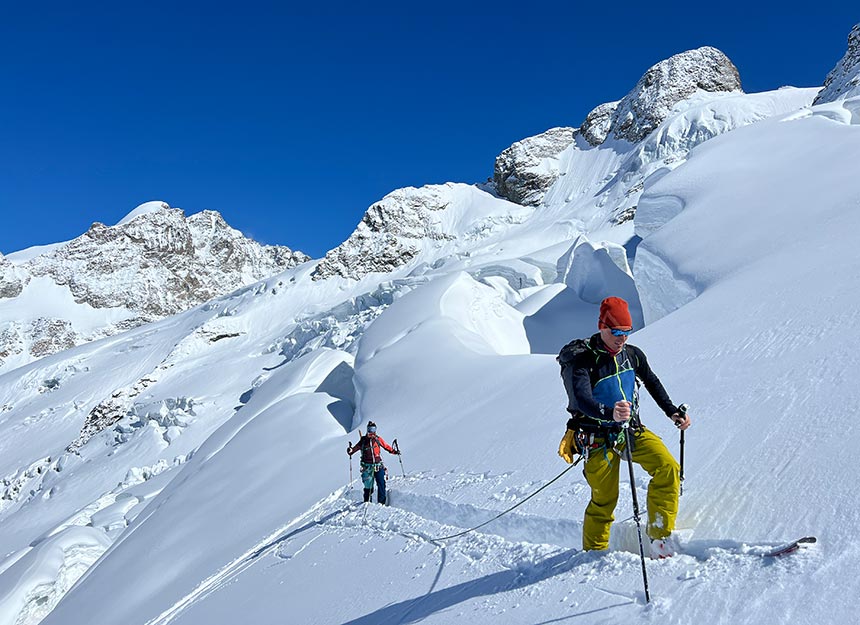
(369, 473)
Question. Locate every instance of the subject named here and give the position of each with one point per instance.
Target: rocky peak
(389, 234)
(418, 227)
(158, 233)
(525, 171)
(160, 262)
(667, 83)
(843, 81)
(12, 280)
(155, 262)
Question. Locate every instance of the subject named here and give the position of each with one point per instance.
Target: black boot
(367, 493)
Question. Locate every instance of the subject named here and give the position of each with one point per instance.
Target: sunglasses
(619, 332)
(372, 429)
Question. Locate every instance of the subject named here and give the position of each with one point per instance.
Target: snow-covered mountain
(192, 470)
(529, 168)
(155, 262)
(558, 183)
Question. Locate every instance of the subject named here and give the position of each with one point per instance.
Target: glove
(567, 448)
(396, 452)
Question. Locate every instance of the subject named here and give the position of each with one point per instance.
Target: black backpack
(565, 359)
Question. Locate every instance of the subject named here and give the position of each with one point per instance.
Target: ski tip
(790, 547)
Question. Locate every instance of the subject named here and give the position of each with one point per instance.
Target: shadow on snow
(414, 610)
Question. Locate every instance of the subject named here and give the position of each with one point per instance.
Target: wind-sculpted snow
(595, 271)
(587, 273)
(152, 427)
(268, 416)
(476, 317)
(676, 208)
(843, 81)
(336, 329)
(340, 327)
(322, 370)
(703, 116)
(845, 112)
(656, 210)
(663, 288)
(47, 572)
(603, 186)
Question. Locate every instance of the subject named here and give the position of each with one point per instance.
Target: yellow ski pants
(601, 472)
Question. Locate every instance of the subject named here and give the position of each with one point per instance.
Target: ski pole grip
(682, 412)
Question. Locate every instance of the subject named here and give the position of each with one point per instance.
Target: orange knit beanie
(614, 314)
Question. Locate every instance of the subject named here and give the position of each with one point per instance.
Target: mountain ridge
(154, 263)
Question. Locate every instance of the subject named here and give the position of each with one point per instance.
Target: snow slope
(222, 493)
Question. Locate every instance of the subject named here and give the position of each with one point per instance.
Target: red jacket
(370, 444)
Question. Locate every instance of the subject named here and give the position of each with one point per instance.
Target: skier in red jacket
(371, 446)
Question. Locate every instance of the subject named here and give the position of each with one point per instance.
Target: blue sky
(292, 123)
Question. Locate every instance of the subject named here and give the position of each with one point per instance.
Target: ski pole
(682, 410)
(399, 457)
(636, 510)
(348, 448)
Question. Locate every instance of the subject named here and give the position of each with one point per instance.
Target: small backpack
(565, 359)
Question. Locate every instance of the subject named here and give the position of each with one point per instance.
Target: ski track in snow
(517, 553)
(247, 559)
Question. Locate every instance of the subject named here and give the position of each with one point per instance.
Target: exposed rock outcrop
(843, 81)
(418, 227)
(12, 279)
(667, 83)
(597, 123)
(389, 234)
(525, 171)
(160, 262)
(154, 263)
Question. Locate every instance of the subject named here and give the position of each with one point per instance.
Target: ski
(790, 547)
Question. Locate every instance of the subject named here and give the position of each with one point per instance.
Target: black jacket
(596, 379)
